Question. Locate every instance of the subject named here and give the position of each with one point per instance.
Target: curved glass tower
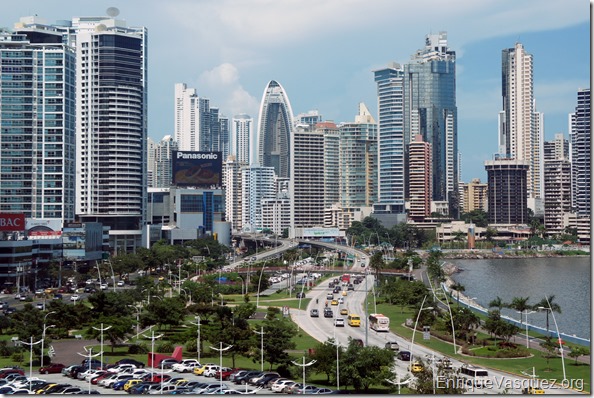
(275, 122)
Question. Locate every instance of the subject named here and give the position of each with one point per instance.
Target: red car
(95, 379)
(226, 372)
(5, 372)
(52, 368)
(157, 378)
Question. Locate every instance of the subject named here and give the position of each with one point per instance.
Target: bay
(567, 278)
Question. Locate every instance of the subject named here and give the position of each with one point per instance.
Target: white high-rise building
(257, 184)
(160, 153)
(232, 182)
(111, 126)
(521, 129)
(243, 135)
(581, 155)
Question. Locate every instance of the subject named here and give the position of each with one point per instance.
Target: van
(354, 320)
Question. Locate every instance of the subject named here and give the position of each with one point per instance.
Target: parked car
(210, 370)
(52, 368)
(243, 379)
(167, 363)
(130, 361)
(187, 365)
(224, 373)
(301, 295)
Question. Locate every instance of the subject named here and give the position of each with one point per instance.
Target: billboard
(196, 169)
(12, 222)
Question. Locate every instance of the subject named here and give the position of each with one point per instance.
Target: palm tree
(547, 306)
(498, 303)
(458, 287)
(521, 305)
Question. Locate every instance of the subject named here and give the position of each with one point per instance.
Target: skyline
(232, 50)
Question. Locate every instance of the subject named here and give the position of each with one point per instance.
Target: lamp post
(398, 383)
(197, 323)
(526, 313)
(558, 338)
(337, 344)
(220, 350)
(451, 318)
(153, 338)
(102, 329)
(31, 344)
(261, 333)
(304, 365)
(412, 344)
(137, 310)
(188, 293)
(43, 334)
(259, 281)
(89, 355)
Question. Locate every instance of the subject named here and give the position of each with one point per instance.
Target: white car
(121, 283)
(74, 297)
(280, 385)
(187, 365)
(210, 370)
(339, 322)
(123, 368)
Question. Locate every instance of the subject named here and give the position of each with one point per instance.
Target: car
(314, 313)
(532, 390)
(340, 300)
(301, 295)
(224, 373)
(186, 365)
(74, 297)
(52, 368)
(329, 296)
(130, 361)
(103, 286)
(40, 306)
(336, 289)
(350, 287)
(243, 379)
(403, 355)
(167, 363)
(392, 345)
(416, 367)
(199, 370)
(339, 322)
(344, 311)
(328, 313)
(278, 386)
(210, 370)
(344, 292)
(334, 302)
(121, 283)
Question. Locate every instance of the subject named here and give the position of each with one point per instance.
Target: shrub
(137, 349)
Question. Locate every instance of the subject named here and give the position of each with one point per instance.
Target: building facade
(581, 153)
(243, 130)
(275, 124)
(508, 191)
(420, 179)
(475, 196)
(257, 184)
(159, 155)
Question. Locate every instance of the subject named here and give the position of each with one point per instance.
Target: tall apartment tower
(192, 119)
(420, 178)
(37, 125)
(475, 196)
(160, 153)
(557, 185)
(233, 192)
(311, 118)
(331, 162)
(307, 177)
(508, 191)
(391, 145)
(275, 123)
(111, 126)
(581, 150)
(520, 126)
(257, 184)
(430, 110)
(243, 130)
(358, 160)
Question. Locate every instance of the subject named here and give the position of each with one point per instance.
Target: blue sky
(323, 52)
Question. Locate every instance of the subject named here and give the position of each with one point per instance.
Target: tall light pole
(525, 312)
(197, 323)
(137, 319)
(43, 334)
(451, 318)
(558, 338)
(220, 350)
(89, 351)
(304, 365)
(261, 333)
(102, 329)
(31, 344)
(412, 344)
(259, 281)
(153, 338)
(337, 344)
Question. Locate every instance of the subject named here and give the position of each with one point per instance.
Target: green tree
(550, 348)
(577, 351)
(325, 356)
(119, 327)
(465, 321)
(426, 381)
(376, 263)
(520, 304)
(478, 217)
(498, 303)
(168, 311)
(458, 287)
(362, 367)
(277, 339)
(490, 234)
(547, 306)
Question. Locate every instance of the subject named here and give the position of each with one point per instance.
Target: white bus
(379, 322)
(475, 376)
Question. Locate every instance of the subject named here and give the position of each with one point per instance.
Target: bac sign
(12, 222)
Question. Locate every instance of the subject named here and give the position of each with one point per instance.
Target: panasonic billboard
(196, 169)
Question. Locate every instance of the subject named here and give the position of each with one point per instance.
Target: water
(567, 278)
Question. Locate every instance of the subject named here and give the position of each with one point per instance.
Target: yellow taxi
(42, 389)
(344, 293)
(199, 370)
(416, 367)
(533, 390)
(130, 383)
(344, 311)
(334, 302)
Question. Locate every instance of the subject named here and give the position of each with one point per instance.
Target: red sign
(12, 221)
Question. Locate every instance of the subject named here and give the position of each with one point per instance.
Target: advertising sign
(196, 168)
(318, 232)
(12, 222)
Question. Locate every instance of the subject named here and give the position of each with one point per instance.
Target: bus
(345, 278)
(354, 320)
(379, 322)
(475, 376)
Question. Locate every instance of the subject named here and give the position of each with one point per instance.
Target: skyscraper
(520, 126)
(37, 126)
(275, 124)
(111, 126)
(430, 110)
(160, 162)
(507, 191)
(557, 185)
(419, 176)
(391, 145)
(581, 152)
(243, 126)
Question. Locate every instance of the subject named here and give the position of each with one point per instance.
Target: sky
(324, 52)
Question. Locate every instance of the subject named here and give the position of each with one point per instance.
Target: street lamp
(558, 338)
(197, 323)
(412, 344)
(90, 351)
(102, 329)
(526, 313)
(153, 338)
(31, 344)
(220, 350)
(447, 300)
(137, 319)
(43, 334)
(398, 383)
(259, 281)
(304, 365)
(261, 333)
(188, 293)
